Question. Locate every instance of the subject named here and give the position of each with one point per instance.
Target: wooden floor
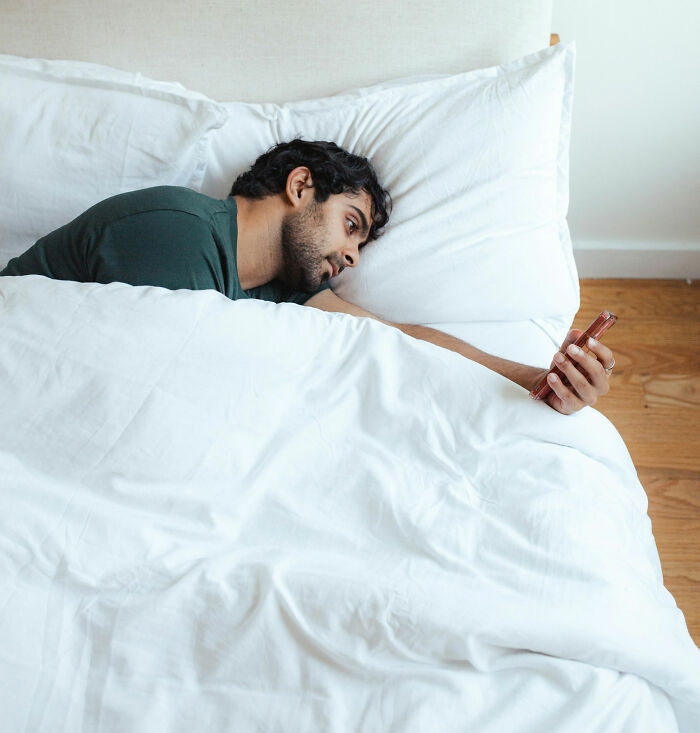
(654, 401)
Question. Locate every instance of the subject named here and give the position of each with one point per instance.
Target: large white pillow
(73, 133)
(477, 165)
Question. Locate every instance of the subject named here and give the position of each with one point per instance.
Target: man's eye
(352, 223)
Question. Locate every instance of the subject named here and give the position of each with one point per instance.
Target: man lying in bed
(297, 218)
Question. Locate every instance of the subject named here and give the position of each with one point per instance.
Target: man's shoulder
(173, 193)
(157, 199)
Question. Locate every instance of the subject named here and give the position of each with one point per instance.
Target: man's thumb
(573, 334)
(571, 337)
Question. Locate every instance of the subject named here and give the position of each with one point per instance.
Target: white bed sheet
(225, 515)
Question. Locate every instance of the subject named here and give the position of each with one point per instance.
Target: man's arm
(327, 300)
(585, 383)
(525, 376)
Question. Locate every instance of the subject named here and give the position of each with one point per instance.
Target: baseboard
(601, 259)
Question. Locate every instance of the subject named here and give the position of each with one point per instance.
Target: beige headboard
(268, 50)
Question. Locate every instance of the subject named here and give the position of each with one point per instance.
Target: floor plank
(645, 358)
(654, 402)
(682, 390)
(672, 299)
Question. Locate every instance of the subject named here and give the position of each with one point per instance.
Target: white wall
(635, 148)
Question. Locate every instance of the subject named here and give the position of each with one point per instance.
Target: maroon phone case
(599, 326)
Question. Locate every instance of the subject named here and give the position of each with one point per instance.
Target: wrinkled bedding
(242, 516)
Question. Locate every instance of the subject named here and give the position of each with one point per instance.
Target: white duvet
(242, 516)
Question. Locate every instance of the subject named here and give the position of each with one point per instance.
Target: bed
(245, 515)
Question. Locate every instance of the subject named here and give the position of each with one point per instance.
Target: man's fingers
(563, 400)
(578, 378)
(582, 376)
(603, 353)
(592, 371)
(572, 336)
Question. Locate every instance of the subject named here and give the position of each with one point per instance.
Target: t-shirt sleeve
(300, 297)
(164, 247)
(170, 249)
(59, 255)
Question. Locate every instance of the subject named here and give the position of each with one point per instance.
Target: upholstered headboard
(273, 51)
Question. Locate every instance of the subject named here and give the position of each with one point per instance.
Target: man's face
(323, 239)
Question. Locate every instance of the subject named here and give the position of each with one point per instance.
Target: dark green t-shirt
(167, 236)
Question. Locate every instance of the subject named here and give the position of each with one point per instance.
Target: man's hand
(586, 378)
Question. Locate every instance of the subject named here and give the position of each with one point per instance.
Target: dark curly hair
(333, 170)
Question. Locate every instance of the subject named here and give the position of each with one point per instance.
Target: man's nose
(351, 257)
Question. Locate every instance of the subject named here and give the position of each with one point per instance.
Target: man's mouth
(334, 270)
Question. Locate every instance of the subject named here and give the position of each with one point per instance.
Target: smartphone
(595, 331)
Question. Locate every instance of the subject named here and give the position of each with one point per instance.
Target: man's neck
(259, 245)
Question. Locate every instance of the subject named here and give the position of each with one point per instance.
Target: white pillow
(73, 133)
(477, 166)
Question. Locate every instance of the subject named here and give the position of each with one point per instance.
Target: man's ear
(299, 185)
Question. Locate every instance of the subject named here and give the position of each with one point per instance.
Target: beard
(303, 238)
